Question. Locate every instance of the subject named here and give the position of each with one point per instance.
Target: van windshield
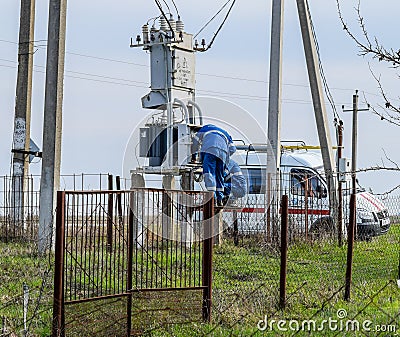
(305, 182)
(255, 180)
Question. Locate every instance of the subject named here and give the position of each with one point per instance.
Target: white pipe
(198, 109)
(183, 105)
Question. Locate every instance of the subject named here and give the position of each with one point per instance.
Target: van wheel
(322, 227)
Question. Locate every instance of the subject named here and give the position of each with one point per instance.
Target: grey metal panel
(160, 74)
(144, 142)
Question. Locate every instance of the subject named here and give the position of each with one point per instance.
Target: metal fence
(19, 220)
(117, 251)
(246, 267)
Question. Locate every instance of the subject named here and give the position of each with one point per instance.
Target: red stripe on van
(253, 210)
(246, 210)
(291, 210)
(371, 201)
(309, 211)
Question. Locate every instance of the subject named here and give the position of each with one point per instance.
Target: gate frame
(58, 322)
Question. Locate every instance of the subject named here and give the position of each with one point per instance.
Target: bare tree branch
(390, 191)
(388, 112)
(375, 49)
(377, 168)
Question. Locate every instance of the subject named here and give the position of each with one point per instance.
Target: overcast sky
(105, 79)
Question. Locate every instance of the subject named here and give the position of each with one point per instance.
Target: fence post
(208, 223)
(132, 223)
(119, 199)
(350, 246)
(284, 247)
(58, 300)
(110, 216)
(235, 228)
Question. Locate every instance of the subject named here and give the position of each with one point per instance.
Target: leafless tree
(370, 46)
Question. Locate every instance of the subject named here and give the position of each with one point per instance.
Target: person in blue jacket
(234, 181)
(215, 146)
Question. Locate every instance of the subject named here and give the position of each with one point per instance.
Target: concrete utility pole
(22, 120)
(275, 89)
(318, 99)
(354, 140)
(52, 124)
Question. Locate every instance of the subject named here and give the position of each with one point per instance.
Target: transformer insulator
(180, 26)
(145, 33)
(163, 24)
(172, 23)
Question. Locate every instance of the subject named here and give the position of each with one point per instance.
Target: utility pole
(318, 100)
(275, 88)
(274, 107)
(353, 200)
(354, 140)
(22, 120)
(340, 189)
(52, 124)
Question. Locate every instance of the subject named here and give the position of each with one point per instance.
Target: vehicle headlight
(365, 215)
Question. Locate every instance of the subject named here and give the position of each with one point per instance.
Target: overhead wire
(132, 83)
(220, 26)
(229, 95)
(215, 93)
(166, 4)
(214, 16)
(198, 73)
(176, 8)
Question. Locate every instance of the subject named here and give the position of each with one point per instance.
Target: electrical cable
(216, 93)
(220, 27)
(220, 10)
(176, 8)
(201, 74)
(166, 4)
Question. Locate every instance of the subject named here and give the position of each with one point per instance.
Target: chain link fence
(247, 277)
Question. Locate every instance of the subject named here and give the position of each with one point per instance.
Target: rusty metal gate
(126, 261)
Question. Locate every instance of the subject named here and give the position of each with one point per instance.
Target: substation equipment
(166, 137)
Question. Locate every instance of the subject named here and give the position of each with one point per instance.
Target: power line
(220, 27)
(133, 83)
(147, 66)
(201, 74)
(214, 16)
(108, 59)
(166, 4)
(176, 8)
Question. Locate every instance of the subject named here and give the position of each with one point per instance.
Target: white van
(302, 179)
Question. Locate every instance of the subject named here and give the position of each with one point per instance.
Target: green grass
(246, 287)
(19, 265)
(245, 290)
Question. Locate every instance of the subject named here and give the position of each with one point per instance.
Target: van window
(306, 182)
(255, 180)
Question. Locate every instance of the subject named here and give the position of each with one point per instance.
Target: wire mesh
(119, 245)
